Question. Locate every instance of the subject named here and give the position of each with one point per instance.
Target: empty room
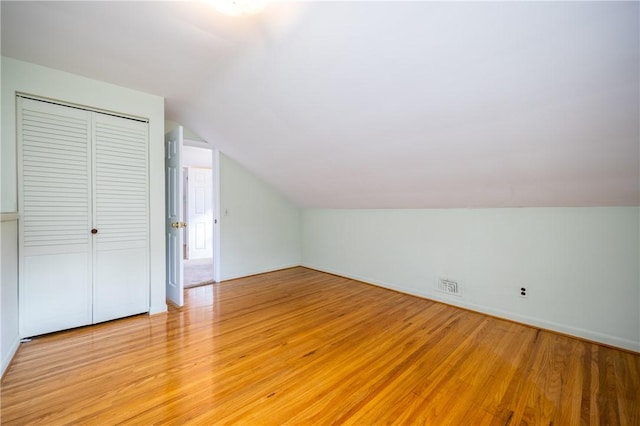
(259, 212)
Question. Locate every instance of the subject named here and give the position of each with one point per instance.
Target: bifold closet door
(121, 264)
(54, 148)
(84, 229)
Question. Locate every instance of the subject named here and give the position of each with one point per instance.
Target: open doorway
(198, 213)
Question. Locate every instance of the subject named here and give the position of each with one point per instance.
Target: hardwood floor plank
(302, 347)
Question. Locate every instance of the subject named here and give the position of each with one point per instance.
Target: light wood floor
(302, 347)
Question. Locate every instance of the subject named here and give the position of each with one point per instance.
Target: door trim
(215, 175)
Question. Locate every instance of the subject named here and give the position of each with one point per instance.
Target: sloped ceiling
(378, 104)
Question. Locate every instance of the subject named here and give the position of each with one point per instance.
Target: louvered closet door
(55, 204)
(121, 272)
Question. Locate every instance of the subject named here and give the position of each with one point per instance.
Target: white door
(121, 211)
(83, 180)
(174, 223)
(200, 229)
(55, 245)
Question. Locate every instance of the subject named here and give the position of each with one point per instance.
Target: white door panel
(117, 290)
(120, 279)
(57, 290)
(200, 229)
(54, 149)
(174, 208)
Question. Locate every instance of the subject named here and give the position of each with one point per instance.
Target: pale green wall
(581, 265)
(9, 338)
(260, 229)
(45, 82)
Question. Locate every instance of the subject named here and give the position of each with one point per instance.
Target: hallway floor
(198, 272)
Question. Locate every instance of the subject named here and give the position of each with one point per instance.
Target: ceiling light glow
(239, 7)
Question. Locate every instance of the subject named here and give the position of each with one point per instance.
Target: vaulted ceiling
(378, 104)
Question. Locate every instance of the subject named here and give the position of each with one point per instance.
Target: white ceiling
(379, 104)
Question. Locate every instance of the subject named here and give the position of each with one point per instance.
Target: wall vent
(449, 287)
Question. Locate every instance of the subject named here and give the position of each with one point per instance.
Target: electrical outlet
(523, 292)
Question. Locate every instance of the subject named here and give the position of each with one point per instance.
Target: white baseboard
(597, 337)
(158, 309)
(259, 271)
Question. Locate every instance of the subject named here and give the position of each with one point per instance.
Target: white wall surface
(9, 338)
(580, 265)
(260, 229)
(45, 82)
(188, 135)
